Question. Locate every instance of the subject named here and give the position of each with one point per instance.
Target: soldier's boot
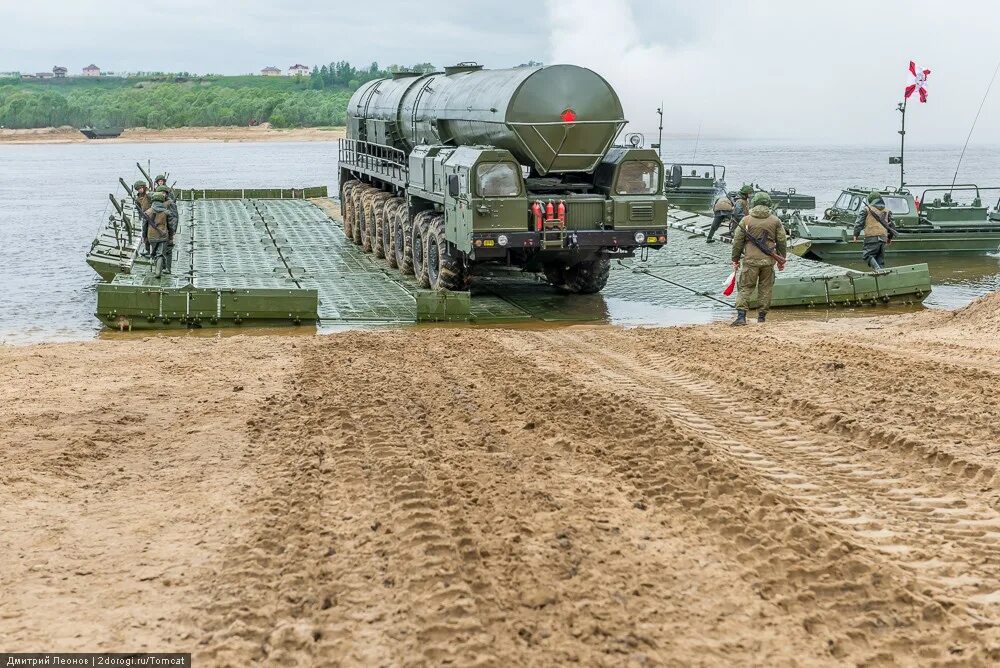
(168, 259)
(741, 318)
(761, 316)
(873, 263)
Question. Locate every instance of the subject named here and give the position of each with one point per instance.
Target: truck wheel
(347, 205)
(554, 273)
(402, 238)
(378, 221)
(418, 246)
(358, 222)
(388, 230)
(586, 277)
(367, 234)
(445, 269)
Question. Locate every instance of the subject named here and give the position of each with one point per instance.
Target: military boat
(103, 132)
(694, 187)
(929, 219)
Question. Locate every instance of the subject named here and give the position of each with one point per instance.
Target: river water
(54, 197)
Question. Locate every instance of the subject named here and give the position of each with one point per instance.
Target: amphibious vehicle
(929, 219)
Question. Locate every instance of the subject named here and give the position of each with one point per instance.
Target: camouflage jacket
(163, 222)
(766, 227)
(874, 222)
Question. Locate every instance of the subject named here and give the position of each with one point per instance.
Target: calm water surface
(54, 197)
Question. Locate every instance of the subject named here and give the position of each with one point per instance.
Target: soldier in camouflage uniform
(879, 231)
(742, 208)
(172, 220)
(161, 219)
(144, 202)
(758, 265)
(161, 182)
(723, 209)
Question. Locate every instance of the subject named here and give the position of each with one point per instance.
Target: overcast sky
(824, 72)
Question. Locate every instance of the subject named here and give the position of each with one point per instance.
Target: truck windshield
(498, 179)
(638, 177)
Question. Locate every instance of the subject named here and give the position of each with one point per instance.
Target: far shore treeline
(182, 100)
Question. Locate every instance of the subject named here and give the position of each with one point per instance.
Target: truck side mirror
(453, 185)
(676, 174)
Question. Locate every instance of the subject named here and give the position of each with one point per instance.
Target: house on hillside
(298, 69)
(91, 71)
(44, 75)
(59, 72)
(270, 71)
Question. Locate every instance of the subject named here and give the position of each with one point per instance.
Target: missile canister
(560, 118)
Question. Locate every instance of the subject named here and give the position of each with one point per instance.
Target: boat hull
(835, 241)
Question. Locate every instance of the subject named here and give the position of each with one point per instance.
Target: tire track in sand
(800, 470)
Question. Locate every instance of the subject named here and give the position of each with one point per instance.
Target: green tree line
(170, 101)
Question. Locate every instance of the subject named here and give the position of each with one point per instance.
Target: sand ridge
(801, 493)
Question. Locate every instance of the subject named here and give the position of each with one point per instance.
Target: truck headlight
(502, 240)
(640, 237)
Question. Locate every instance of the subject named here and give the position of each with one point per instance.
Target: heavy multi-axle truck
(442, 172)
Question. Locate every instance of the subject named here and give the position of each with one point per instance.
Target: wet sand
(799, 493)
(261, 133)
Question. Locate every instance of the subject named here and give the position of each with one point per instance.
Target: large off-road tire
(446, 270)
(554, 273)
(392, 208)
(378, 220)
(368, 204)
(418, 247)
(402, 237)
(358, 221)
(584, 278)
(347, 205)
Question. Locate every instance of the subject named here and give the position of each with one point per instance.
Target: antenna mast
(659, 136)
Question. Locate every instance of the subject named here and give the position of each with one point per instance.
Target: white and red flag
(917, 81)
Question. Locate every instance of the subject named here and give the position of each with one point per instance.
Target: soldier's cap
(160, 177)
(158, 197)
(874, 196)
(761, 198)
(161, 189)
(139, 184)
(747, 189)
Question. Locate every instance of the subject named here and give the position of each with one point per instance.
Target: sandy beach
(261, 133)
(804, 493)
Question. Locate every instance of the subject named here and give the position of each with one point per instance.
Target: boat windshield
(844, 201)
(898, 205)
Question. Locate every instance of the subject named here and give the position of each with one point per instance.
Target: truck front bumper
(497, 243)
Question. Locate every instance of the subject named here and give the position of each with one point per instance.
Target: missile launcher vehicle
(441, 172)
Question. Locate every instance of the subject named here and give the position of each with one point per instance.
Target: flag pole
(902, 141)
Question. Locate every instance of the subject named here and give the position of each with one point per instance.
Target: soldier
(878, 228)
(161, 182)
(760, 241)
(723, 210)
(171, 226)
(742, 208)
(142, 198)
(161, 219)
